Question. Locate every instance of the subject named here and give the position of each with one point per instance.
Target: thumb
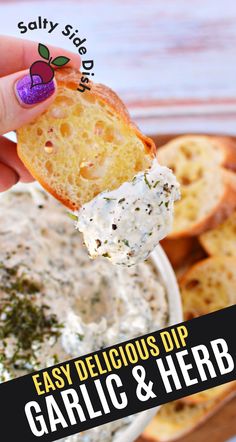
(20, 102)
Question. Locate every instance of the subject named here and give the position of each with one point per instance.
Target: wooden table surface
(172, 62)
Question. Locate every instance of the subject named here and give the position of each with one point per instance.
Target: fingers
(11, 168)
(8, 177)
(18, 54)
(8, 156)
(19, 103)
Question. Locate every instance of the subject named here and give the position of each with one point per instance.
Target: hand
(18, 103)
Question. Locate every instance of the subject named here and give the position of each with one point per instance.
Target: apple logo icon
(44, 69)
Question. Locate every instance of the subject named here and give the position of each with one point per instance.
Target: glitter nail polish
(28, 94)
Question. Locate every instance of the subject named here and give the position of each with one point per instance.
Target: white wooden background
(172, 61)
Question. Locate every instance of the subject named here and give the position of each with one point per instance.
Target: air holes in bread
(66, 130)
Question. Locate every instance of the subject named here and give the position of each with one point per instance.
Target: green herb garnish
(106, 255)
(72, 216)
(24, 324)
(27, 324)
(146, 181)
(126, 242)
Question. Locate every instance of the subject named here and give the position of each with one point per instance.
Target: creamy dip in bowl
(71, 305)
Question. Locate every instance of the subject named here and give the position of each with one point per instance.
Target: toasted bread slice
(222, 239)
(211, 394)
(208, 286)
(84, 143)
(208, 190)
(177, 419)
(205, 203)
(199, 152)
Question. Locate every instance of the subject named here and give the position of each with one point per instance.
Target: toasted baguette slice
(211, 394)
(199, 152)
(177, 419)
(205, 203)
(208, 190)
(84, 143)
(222, 239)
(208, 286)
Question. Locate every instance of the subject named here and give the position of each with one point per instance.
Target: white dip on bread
(90, 304)
(126, 224)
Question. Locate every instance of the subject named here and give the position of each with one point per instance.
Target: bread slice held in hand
(85, 143)
(86, 152)
(204, 168)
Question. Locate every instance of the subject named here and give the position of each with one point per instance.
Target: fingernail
(28, 94)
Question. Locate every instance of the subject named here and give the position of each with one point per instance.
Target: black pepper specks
(166, 188)
(98, 243)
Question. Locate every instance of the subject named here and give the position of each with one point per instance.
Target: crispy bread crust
(204, 245)
(228, 145)
(217, 215)
(225, 144)
(198, 264)
(196, 399)
(206, 242)
(189, 274)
